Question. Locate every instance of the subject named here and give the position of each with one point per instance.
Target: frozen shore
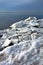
(22, 43)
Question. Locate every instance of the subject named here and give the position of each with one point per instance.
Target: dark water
(6, 19)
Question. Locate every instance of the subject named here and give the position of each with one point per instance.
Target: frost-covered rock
(22, 43)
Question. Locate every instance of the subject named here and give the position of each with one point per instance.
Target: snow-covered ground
(22, 43)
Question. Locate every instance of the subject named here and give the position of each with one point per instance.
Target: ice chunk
(6, 43)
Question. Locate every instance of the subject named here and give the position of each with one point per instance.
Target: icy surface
(22, 43)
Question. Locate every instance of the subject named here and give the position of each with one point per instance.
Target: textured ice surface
(22, 43)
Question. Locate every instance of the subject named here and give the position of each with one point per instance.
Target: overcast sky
(14, 5)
